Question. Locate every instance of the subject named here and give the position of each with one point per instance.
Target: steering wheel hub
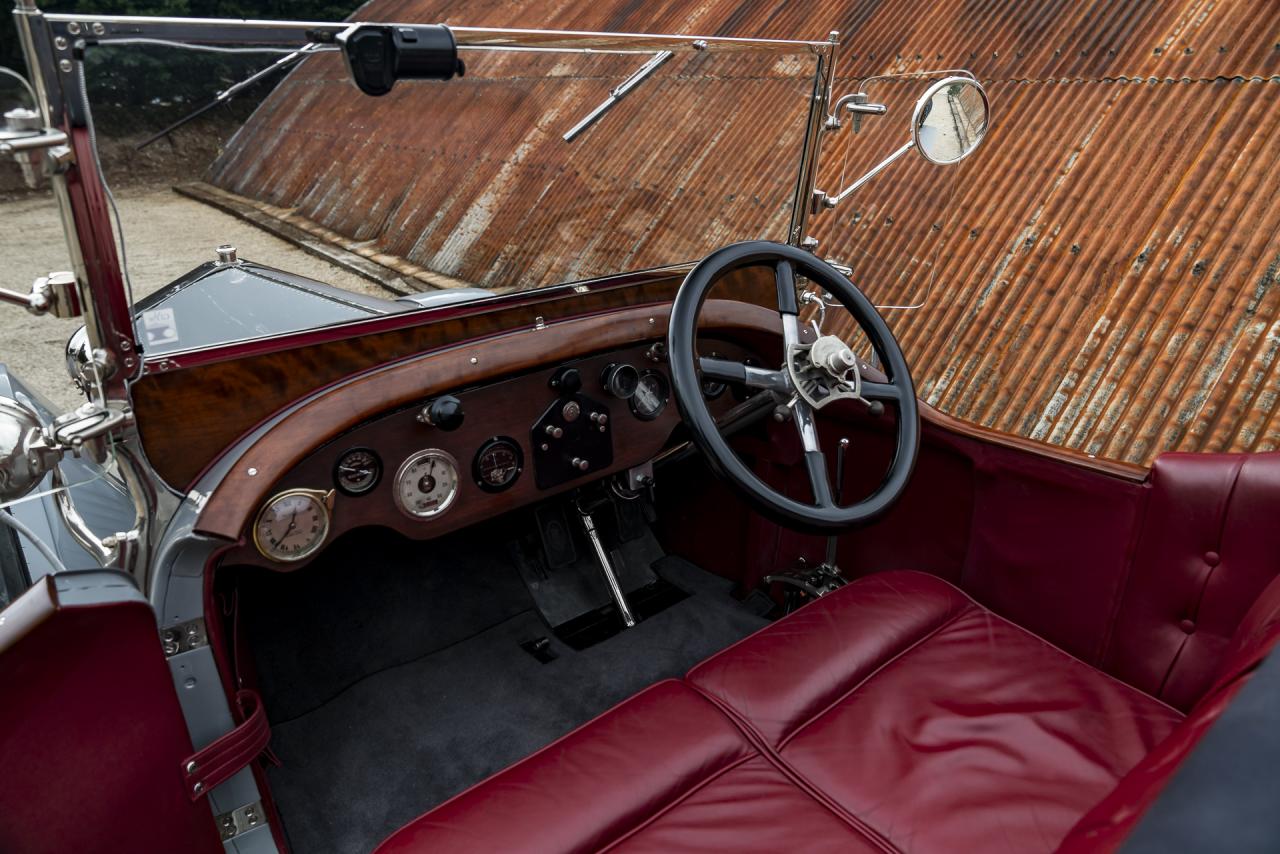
(824, 371)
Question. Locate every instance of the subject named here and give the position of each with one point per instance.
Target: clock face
(292, 525)
(426, 484)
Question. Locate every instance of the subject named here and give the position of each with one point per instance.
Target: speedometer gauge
(293, 524)
(427, 484)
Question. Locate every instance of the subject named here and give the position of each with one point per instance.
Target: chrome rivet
(252, 472)
(98, 29)
(191, 767)
(74, 28)
(189, 683)
(60, 43)
(65, 66)
(474, 360)
(653, 322)
(197, 788)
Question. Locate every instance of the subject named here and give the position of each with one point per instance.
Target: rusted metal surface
(1101, 275)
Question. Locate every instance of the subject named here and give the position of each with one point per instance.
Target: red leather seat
(894, 714)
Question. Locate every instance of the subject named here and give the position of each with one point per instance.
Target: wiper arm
(231, 91)
(619, 92)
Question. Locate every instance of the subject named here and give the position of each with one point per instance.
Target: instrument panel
(453, 460)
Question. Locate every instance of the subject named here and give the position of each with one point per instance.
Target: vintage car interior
(647, 561)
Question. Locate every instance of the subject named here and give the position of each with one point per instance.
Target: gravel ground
(167, 235)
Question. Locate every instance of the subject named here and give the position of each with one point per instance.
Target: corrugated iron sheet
(1101, 275)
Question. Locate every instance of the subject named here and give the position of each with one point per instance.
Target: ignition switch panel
(574, 437)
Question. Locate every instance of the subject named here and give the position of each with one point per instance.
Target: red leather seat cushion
(939, 725)
(893, 714)
(663, 770)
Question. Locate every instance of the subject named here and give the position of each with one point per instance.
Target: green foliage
(164, 79)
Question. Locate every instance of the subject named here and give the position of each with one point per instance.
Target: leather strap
(206, 769)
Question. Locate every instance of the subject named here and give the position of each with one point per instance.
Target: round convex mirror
(950, 120)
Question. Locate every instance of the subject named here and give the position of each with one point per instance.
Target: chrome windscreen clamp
(57, 294)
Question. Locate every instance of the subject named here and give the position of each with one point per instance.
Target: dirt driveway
(166, 235)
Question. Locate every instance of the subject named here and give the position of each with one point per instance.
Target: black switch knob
(567, 381)
(444, 413)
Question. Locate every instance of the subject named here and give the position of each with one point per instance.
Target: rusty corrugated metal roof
(1102, 274)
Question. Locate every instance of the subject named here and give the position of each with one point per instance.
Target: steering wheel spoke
(727, 371)
(815, 462)
(881, 391)
(784, 273)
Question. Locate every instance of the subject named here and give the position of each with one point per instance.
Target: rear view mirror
(950, 120)
(948, 123)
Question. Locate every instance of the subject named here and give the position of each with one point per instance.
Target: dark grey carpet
(404, 739)
(375, 600)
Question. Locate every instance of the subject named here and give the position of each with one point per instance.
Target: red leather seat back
(91, 733)
(1109, 823)
(1208, 546)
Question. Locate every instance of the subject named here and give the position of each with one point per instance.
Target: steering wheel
(816, 372)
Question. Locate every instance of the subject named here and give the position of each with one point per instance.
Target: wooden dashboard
(515, 412)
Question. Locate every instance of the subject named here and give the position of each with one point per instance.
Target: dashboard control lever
(606, 566)
(444, 413)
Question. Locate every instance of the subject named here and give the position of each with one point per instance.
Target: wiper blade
(231, 91)
(619, 92)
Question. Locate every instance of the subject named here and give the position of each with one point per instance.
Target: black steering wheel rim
(823, 515)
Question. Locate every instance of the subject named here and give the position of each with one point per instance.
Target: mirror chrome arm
(44, 139)
(832, 201)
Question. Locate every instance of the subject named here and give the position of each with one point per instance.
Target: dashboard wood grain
(507, 409)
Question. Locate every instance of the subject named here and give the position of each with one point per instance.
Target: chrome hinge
(241, 820)
(184, 637)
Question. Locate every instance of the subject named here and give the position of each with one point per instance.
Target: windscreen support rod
(233, 90)
(619, 92)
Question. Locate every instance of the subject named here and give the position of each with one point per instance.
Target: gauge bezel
(666, 397)
(377, 476)
(445, 506)
(485, 446)
(322, 499)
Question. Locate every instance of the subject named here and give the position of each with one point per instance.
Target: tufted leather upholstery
(894, 714)
(1209, 544)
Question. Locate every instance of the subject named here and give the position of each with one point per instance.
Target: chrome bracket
(57, 294)
(184, 637)
(241, 820)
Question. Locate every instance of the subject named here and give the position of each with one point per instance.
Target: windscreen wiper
(619, 92)
(231, 91)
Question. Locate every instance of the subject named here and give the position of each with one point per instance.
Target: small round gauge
(498, 464)
(292, 525)
(651, 396)
(427, 484)
(357, 471)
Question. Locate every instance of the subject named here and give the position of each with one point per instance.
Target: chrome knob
(553, 431)
(580, 464)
